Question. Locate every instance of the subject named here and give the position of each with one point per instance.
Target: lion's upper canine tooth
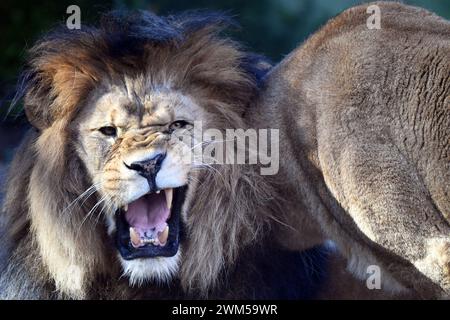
(169, 197)
(158, 191)
(125, 207)
(162, 236)
(135, 238)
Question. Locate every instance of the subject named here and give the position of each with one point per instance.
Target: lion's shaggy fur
(364, 119)
(59, 254)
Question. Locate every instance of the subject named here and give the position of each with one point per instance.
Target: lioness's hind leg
(386, 198)
(437, 262)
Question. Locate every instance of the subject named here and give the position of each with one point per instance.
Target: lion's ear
(37, 100)
(55, 84)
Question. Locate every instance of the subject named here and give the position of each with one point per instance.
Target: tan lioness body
(364, 120)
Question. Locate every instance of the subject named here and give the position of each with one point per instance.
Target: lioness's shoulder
(389, 16)
(352, 34)
(393, 15)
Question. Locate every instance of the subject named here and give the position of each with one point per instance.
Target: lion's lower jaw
(159, 270)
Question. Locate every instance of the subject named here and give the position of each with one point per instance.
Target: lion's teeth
(125, 208)
(169, 197)
(158, 191)
(135, 238)
(162, 236)
(147, 241)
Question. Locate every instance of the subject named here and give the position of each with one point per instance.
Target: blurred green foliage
(270, 27)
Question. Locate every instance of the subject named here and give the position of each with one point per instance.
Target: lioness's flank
(364, 120)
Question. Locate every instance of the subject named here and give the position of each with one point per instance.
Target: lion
(100, 203)
(364, 121)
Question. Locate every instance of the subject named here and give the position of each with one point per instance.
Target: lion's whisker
(109, 205)
(205, 143)
(209, 167)
(86, 194)
(88, 214)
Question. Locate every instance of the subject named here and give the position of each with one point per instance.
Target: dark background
(270, 27)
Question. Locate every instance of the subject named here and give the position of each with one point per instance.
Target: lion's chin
(156, 270)
(149, 263)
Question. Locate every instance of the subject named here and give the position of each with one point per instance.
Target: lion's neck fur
(70, 250)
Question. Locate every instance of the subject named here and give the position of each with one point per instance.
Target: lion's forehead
(122, 107)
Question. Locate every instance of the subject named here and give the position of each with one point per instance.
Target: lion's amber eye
(179, 124)
(108, 131)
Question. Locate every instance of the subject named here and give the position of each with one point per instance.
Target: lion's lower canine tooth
(135, 238)
(169, 197)
(162, 237)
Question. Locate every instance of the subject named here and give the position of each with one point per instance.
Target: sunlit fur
(159, 270)
(57, 247)
(364, 119)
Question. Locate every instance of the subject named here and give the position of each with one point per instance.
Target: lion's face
(115, 109)
(129, 139)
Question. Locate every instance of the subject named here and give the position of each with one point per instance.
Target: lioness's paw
(443, 261)
(436, 264)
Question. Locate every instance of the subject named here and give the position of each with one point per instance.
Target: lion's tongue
(147, 216)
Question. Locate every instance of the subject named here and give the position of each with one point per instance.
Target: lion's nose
(148, 169)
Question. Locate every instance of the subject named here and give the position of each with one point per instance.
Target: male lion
(105, 104)
(364, 120)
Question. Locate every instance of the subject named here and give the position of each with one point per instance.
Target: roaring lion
(364, 120)
(100, 203)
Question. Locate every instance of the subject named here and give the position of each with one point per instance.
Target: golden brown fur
(59, 251)
(364, 119)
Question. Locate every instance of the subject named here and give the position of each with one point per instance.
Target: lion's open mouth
(150, 226)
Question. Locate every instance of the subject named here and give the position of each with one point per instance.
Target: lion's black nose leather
(148, 169)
